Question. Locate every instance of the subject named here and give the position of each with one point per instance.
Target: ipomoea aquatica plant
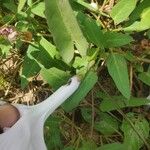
(27, 132)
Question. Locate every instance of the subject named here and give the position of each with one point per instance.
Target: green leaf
(29, 69)
(66, 32)
(88, 145)
(39, 56)
(53, 134)
(85, 86)
(113, 146)
(145, 77)
(21, 4)
(10, 5)
(114, 39)
(129, 56)
(5, 47)
(117, 68)
(139, 67)
(55, 77)
(24, 81)
(118, 102)
(107, 124)
(122, 10)
(39, 9)
(133, 134)
(22, 26)
(30, 66)
(141, 25)
(69, 148)
(80, 62)
(139, 9)
(148, 34)
(43, 57)
(91, 30)
(29, 2)
(50, 48)
(87, 114)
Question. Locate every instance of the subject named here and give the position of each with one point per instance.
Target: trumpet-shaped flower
(27, 132)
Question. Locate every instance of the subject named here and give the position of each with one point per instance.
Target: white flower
(27, 132)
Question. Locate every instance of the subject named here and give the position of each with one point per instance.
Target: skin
(9, 115)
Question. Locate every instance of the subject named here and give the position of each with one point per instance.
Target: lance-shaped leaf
(114, 39)
(117, 68)
(145, 77)
(39, 9)
(27, 132)
(21, 4)
(122, 10)
(141, 25)
(55, 77)
(135, 15)
(91, 30)
(86, 85)
(64, 28)
(118, 102)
